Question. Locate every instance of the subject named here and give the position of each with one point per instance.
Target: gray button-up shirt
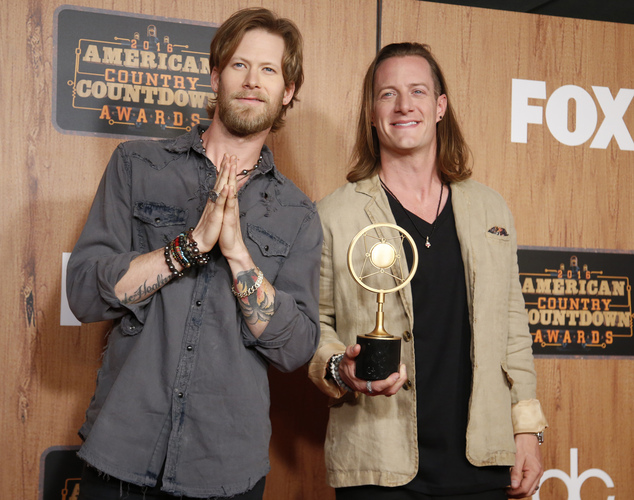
(183, 381)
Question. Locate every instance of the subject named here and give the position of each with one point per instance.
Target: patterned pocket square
(498, 231)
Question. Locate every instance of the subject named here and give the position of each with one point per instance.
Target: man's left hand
(230, 240)
(528, 469)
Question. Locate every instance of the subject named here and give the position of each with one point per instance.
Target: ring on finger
(368, 386)
(213, 195)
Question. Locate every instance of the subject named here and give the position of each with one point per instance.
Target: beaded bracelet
(185, 251)
(177, 252)
(333, 364)
(251, 289)
(184, 247)
(168, 260)
(199, 259)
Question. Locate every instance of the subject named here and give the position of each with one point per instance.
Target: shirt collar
(191, 141)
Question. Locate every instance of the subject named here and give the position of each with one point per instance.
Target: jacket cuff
(318, 368)
(528, 417)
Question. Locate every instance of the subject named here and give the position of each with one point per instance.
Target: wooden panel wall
(561, 196)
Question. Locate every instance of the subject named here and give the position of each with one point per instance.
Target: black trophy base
(379, 357)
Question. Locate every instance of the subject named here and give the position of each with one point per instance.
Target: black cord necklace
(243, 173)
(433, 227)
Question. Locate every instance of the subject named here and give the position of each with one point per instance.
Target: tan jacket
(373, 440)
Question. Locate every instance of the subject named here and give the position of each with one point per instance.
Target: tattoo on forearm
(146, 290)
(259, 306)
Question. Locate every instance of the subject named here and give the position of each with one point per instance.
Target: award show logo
(60, 473)
(132, 75)
(578, 303)
(574, 481)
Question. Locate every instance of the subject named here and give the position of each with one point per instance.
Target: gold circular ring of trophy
(379, 228)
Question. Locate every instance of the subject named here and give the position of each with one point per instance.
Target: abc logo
(574, 480)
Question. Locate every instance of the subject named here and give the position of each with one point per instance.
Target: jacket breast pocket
(158, 223)
(498, 249)
(502, 239)
(268, 250)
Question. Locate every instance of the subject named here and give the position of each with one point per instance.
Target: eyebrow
(244, 59)
(410, 85)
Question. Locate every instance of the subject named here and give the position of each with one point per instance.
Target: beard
(243, 120)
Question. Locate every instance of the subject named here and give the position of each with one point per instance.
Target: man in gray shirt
(207, 259)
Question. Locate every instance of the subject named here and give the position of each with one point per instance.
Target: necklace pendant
(427, 243)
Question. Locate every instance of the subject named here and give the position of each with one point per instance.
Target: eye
(239, 65)
(387, 94)
(269, 70)
(418, 92)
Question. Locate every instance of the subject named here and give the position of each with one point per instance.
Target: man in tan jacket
(461, 411)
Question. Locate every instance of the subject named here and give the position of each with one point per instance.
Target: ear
(288, 94)
(441, 107)
(215, 79)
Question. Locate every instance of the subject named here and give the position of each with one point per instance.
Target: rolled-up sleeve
(526, 411)
(102, 254)
(292, 335)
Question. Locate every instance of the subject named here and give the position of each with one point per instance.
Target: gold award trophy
(383, 263)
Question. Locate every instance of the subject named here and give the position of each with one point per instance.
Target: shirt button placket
(186, 359)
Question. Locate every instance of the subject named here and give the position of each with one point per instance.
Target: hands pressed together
(220, 220)
(387, 387)
(219, 224)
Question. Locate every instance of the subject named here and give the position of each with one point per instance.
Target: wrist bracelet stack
(333, 365)
(185, 251)
(192, 250)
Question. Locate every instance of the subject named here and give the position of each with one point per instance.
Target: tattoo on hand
(146, 290)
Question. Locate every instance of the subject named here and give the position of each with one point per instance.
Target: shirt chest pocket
(157, 223)
(268, 250)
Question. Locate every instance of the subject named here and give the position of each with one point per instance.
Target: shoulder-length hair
(230, 34)
(452, 152)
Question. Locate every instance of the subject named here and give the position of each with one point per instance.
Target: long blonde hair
(452, 152)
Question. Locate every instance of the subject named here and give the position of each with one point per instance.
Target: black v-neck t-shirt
(442, 342)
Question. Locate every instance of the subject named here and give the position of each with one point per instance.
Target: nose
(252, 78)
(403, 103)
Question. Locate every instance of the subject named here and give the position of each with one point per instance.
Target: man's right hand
(207, 231)
(387, 387)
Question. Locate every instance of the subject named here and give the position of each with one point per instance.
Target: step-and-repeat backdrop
(546, 107)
